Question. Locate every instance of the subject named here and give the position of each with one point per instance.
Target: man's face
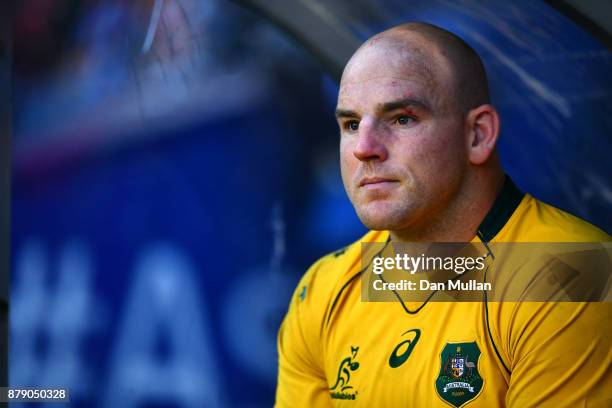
(402, 149)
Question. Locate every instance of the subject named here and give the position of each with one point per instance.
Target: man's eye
(352, 125)
(404, 120)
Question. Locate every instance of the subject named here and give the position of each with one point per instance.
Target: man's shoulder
(351, 253)
(537, 221)
(338, 267)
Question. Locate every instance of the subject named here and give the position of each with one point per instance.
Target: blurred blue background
(175, 171)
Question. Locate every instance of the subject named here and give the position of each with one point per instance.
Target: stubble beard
(388, 214)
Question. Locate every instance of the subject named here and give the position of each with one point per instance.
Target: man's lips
(373, 181)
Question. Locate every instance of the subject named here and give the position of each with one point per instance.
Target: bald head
(440, 58)
(417, 135)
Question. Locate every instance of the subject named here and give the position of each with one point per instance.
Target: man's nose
(370, 143)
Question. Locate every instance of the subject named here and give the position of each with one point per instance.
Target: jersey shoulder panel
(302, 329)
(333, 270)
(536, 221)
(511, 322)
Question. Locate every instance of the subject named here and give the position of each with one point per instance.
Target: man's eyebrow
(387, 107)
(345, 113)
(402, 103)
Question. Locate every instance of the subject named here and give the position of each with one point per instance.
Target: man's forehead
(390, 83)
(374, 93)
(392, 68)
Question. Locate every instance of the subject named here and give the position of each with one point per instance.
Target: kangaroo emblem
(344, 371)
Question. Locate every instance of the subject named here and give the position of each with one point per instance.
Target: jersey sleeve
(560, 354)
(301, 378)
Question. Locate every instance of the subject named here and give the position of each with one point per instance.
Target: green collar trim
(504, 206)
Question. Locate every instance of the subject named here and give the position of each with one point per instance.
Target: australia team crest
(459, 381)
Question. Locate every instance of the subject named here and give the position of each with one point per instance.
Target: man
(419, 164)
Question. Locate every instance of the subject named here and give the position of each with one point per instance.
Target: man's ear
(483, 130)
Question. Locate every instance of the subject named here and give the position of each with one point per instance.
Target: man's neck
(459, 221)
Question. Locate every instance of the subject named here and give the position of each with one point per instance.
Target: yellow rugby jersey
(337, 351)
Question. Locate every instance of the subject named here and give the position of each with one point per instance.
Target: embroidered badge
(459, 381)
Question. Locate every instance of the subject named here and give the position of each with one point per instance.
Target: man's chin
(379, 221)
(378, 226)
(381, 215)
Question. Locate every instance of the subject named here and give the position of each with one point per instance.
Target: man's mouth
(376, 181)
